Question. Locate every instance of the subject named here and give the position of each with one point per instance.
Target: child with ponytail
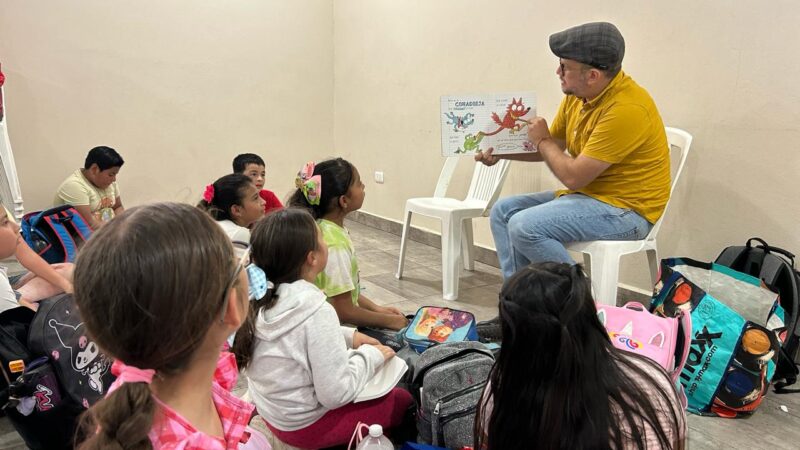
(176, 292)
(559, 382)
(304, 370)
(331, 190)
(233, 201)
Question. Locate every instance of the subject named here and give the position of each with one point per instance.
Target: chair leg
(468, 245)
(652, 261)
(451, 257)
(403, 240)
(587, 262)
(604, 276)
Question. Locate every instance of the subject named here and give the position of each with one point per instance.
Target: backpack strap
(771, 249)
(78, 223)
(67, 243)
(789, 378)
(686, 334)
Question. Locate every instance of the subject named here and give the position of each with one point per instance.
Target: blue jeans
(533, 228)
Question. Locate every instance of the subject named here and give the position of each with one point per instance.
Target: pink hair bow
(309, 184)
(129, 374)
(208, 195)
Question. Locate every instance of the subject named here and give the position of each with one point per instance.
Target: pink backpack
(664, 340)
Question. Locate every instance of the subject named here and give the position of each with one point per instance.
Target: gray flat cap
(598, 44)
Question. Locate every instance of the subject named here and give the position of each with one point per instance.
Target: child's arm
(366, 303)
(339, 374)
(86, 212)
(118, 208)
(360, 316)
(39, 267)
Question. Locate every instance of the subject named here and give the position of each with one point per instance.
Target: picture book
(384, 380)
(472, 123)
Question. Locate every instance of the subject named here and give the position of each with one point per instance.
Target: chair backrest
(487, 182)
(679, 144)
(446, 175)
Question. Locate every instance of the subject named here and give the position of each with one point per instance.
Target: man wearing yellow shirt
(606, 144)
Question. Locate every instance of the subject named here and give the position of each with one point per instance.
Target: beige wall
(724, 71)
(178, 88)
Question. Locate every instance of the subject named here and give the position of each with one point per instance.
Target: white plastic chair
(456, 216)
(602, 257)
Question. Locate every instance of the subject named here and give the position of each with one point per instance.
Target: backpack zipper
(453, 395)
(458, 414)
(458, 355)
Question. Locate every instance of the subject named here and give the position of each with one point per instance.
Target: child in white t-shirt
(233, 201)
(43, 279)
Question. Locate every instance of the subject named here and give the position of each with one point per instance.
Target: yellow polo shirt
(621, 126)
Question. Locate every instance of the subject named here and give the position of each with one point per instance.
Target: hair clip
(258, 283)
(208, 195)
(309, 184)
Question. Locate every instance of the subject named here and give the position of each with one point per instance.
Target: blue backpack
(55, 234)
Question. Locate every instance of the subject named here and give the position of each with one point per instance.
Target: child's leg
(63, 269)
(33, 288)
(337, 426)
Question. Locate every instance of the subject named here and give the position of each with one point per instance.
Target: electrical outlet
(379, 177)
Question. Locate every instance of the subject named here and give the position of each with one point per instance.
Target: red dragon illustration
(514, 111)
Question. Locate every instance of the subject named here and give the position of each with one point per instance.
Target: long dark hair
(281, 242)
(149, 285)
(228, 191)
(558, 382)
(337, 176)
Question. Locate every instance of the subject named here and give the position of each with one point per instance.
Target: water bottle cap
(375, 430)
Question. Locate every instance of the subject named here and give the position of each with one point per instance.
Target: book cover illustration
(471, 123)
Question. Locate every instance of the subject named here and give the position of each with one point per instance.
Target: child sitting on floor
(333, 189)
(233, 201)
(303, 369)
(559, 382)
(253, 166)
(93, 190)
(42, 279)
(177, 291)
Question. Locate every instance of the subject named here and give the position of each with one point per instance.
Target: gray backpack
(448, 383)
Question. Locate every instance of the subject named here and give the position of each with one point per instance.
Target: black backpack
(14, 325)
(64, 372)
(775, 267)
(57, 331)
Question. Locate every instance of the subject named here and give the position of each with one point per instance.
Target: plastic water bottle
(376, 440)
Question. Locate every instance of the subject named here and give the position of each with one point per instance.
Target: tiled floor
(768, 428)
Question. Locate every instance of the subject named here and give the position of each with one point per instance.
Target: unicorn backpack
(664, 340)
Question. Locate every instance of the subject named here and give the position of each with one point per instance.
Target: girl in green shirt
(333, 189)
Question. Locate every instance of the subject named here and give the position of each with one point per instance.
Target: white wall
(177, 87)
(724, 71)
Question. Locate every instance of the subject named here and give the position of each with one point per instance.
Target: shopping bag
(736, 322)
